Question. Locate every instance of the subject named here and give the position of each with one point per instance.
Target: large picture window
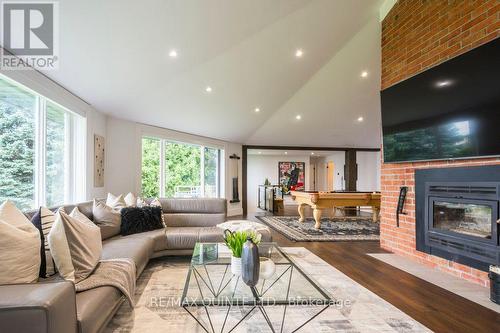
(38, 149)
(179, 170)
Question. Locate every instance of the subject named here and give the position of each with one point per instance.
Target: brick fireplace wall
(417, 35)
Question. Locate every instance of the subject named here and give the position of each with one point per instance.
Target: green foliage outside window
(17, 146)
(150, 167)
(182, 166)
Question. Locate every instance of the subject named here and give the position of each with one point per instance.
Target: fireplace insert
(458, 215)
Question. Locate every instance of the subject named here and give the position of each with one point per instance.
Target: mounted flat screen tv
(450, 111)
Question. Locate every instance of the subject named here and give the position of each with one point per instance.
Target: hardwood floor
(434, 307)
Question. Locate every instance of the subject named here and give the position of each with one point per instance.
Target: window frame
(163, 179)
(74, 155)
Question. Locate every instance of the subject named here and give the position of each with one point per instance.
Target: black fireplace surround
(457, 214)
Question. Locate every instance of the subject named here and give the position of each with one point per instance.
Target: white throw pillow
(82, 251)
(140, 202)
(19, 246)
(156, 202)
(130, 200)
(59, 249)
(116, 202)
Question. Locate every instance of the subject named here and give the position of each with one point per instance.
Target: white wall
(260, 167)
(338, 158)
(368, 170)
(96, 124)
(123, 157)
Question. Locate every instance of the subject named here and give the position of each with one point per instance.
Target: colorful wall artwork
(292, 176)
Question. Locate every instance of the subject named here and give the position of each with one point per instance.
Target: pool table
(331, 200)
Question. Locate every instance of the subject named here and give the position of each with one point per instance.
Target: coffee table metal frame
(257, 301)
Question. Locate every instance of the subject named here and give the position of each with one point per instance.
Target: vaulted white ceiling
(115, 55)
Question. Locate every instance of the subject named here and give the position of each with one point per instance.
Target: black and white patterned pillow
(44, 220)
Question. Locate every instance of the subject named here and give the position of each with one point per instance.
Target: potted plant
(235, 241)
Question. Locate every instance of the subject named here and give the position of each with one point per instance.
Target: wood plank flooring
(434, 307)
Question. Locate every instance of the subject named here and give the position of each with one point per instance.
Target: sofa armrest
(38, 308)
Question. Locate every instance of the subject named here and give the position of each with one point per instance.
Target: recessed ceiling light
(208, 89)
(312, 153)
(298, 117)
(299, 53)
(172, 54)
(360, 119)
(260, 152)
(257, 110)
(286, 153)
(364, 74)
(444, 83)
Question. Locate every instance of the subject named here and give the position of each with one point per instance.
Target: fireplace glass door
(474, 218)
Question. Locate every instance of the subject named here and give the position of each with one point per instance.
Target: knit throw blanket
(118, 273)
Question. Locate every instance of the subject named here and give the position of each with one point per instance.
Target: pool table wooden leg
(376, 212)
(317, 217)
(302, 208)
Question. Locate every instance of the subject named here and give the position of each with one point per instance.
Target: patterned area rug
(160, 287)
(332, 229)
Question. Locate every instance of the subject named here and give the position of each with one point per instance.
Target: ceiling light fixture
(172, 54)
(260, 152)
(360, 119)
(312, 153)
(208, 89)
(257, 110)
(444, 83)
(298, 117)
(286, 153)
(299, 53)
(364, 74)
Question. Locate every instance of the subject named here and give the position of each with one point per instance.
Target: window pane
(150, 167)
(17, 145)
(211, 172)
(182, 170)
(57, 156)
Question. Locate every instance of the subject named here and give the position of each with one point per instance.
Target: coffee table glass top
(210, 281)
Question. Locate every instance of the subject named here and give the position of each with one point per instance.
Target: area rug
(160, 287)
(332, 228)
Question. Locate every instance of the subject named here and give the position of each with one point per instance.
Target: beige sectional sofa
(54, 307)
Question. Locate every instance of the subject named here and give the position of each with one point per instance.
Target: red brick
(423, 35)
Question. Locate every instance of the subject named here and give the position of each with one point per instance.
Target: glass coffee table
(210, 284)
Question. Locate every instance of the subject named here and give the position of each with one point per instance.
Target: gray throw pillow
(108, 219)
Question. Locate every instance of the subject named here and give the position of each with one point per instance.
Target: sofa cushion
(116, 202)
(107, 219)
(211, 235)
(77, 237)
(20, 246)
(140, 219)
(139, 249)
(158, 237)
(94, 308)
(193, 219)
(198, 205)
(182, 238)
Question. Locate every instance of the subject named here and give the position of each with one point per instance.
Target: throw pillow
(83, 243)
(136, 220)
(43, 220)
(116, 202)
(130, 200)
(156, 202)
(107, 219)
(19, 246)
(141, 202)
